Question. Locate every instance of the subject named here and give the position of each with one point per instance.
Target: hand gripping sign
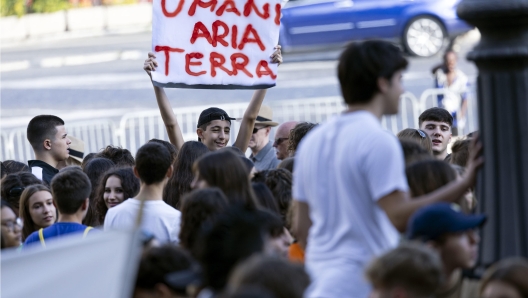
(215, 44)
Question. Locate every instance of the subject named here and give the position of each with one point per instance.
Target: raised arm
(251, 113)
(399, 207)
(169, 119)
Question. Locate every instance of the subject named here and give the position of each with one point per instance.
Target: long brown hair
(129, 184)
(225, 170)
(29, 224)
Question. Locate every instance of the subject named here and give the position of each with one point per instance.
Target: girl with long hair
(180, 182)
(36, 209)
(116, 186)
(225, 170)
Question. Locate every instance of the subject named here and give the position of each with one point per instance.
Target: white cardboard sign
(215, 44)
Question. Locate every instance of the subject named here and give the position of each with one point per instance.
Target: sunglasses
(279, 141)
(421, 133)
(257, 129)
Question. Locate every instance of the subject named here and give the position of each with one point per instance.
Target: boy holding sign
(214, 124)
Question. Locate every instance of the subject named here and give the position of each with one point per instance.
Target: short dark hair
(70, 189)
(412, 266)
(436, 114)
(13, 185)
(282, 278)
(172, 149)
(152, 162)
(157, 262)
(120, 156)
(297, 134)
(42, 127)
(199, 207)
(362, 64)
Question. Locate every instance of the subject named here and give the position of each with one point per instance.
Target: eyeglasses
(279, 141)
(257, 129)
(422, 134)
(11, 224)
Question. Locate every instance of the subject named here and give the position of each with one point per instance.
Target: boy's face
(392, 93)
(460, 250)
(216, 134)
(60, 144)
(260, 138)
(440, 134)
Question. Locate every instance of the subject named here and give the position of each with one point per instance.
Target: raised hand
(150, 64)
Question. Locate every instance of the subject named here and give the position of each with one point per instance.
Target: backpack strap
(41, 237)
(86, 231)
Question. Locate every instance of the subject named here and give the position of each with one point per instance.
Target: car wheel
(424, 36)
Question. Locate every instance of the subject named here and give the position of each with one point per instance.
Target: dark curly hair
(297, 134)
(279, 181)
(129, 183)
(14, 184)
(199, 207)
(180, 182)
(121, 157)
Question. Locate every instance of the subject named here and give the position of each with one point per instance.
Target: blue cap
(430, 222)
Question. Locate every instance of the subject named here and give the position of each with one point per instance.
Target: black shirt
(42, 170)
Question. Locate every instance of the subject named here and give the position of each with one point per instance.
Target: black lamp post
(502, 61)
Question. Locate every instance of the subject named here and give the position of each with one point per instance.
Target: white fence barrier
(96, 135)
(137, 128)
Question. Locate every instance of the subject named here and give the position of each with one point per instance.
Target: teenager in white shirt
(153, 168)
(351, 194)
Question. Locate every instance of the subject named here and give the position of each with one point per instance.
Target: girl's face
(113, 194)
(41, 209)
(11, 228)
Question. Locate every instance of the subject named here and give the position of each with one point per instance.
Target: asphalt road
(97, 77)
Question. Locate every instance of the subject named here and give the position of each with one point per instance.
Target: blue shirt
(266, 159)
(58, 229)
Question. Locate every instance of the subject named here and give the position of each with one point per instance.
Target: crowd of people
(336, 209)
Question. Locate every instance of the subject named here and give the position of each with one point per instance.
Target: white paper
(174, 22)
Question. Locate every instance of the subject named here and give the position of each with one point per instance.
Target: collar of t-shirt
(43, 165)
(262, 153)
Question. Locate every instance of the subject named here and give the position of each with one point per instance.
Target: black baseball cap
(430, 222)
(211, 114)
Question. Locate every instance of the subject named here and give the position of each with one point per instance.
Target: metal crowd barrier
(137, 128)
(96, 135)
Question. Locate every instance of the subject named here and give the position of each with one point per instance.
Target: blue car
(423, 27)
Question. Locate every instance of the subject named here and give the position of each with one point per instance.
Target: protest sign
(215, 44)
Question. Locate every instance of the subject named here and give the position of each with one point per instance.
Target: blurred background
(82, 61)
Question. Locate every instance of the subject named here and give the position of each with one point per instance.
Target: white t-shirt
(342, 168)
(159, 218)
